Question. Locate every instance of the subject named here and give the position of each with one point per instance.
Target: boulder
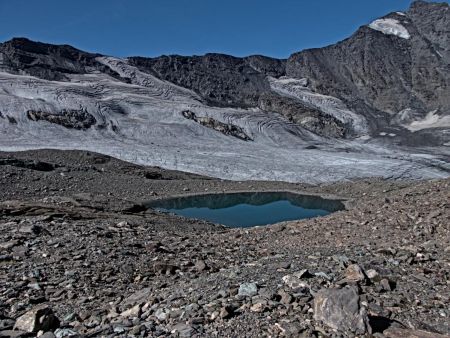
(37, 319)
(340, 309)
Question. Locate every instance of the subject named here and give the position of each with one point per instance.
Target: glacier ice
(142, 123)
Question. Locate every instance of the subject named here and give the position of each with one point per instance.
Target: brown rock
(354, 273)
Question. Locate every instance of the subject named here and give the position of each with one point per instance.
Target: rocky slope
(80, 257)
(375, 104)
(396, 67)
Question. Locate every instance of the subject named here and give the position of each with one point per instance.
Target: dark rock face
(372, 71)
(224, 128)
(28, 164)
(74, 119)
(47, 61)
(222, 80)
(308, 117)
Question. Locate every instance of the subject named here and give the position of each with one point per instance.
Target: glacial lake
(249, 208)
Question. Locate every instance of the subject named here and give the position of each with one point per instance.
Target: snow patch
(431, 120)
(390, 27)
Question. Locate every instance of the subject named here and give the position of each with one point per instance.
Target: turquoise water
(249, 209)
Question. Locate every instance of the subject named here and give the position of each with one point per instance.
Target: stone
(340, 309)
(226, 312)
(323, 275)
(135, 311)
(200, 265)
(258, 307)
(289, 329)
(161, 314)
(248, 289)
(66, 332)
(286, 298)
(40, 318)
(6, 324)
(9, 244)
(407, 333)
(182, 330)
(294, 281)
(14, 334)
(372, 274)
(164, 268)
(140, 296)
(47, 335)
(385, 285)
(354, 273)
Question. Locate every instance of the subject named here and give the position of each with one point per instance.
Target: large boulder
(340, 309)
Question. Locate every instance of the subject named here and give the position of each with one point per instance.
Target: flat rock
(406, 333)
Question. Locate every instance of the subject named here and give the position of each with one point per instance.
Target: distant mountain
(381, 95)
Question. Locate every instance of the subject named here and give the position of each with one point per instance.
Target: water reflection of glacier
(249, 208)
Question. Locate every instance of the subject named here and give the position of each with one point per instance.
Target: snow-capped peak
(390, 27)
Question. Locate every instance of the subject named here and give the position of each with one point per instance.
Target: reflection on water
(249, 208)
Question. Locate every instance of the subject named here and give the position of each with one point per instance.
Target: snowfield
(142, 123)
(390, 27)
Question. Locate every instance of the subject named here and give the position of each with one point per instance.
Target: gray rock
(161, 314)
(372, 274)
(47, 335)
(248, 289)
(14, 334)
(40, 318)
(140, 296)
(6, 324)
(286, 298)
(135, 311)
(200, 265)
(182, 330)
(340, 309)
(295, 280)
(407, 333)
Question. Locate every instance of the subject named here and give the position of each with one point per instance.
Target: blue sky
(153, 27)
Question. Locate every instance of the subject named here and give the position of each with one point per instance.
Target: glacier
(142, 123)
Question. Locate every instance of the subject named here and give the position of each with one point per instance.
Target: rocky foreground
(81, 257)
